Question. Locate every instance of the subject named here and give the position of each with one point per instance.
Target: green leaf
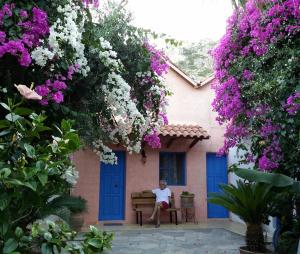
(34, 230)
(19, 232)
(43, 128)
(46, 249)
(10, 245)
(4, 124)
(23, 111)
(275, 179)
(5, 106)
(12, 117)
(43, 178)
(5, 132)
(97, 243)
(3, 229)
(40, 165)
(296, 187)
(30, 151)
(73, 141)
(65, 125)
(4, 201)
(32, 185)
(4, 172)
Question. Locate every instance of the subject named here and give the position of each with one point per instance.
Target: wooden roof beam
(195, 141)
(170, 142)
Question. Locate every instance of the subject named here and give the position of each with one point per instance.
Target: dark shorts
(164, 205)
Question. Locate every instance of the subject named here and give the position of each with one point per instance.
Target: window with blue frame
(172, 168)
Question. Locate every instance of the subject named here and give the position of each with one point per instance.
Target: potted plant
(187, 199)
(252, 203)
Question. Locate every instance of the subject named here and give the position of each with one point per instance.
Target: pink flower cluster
(268, 129)
(293, 103)
(250, 32)
(232, 136)
(247, 75)
(164, 117)
(256, 30)
(271, 156)
(158, 60)
(227, 101)
(51, 91)
(95, 3)
(72, 70)
(153, 140)
(258, 111)
(33, 26)
(272, 153)
(33, 29)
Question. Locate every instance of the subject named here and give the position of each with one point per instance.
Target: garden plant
(251, 202)
(72, 74)
(258, 94)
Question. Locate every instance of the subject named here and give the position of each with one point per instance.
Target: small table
(187, 208)
(188, 213)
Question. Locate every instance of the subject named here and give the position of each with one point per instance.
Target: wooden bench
(143, 199)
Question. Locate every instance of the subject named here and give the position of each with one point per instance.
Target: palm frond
(250, 201)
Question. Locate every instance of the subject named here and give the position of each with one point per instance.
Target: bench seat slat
(141, 200)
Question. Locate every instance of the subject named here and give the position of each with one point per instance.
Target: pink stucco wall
(187, 106)
(87, 163)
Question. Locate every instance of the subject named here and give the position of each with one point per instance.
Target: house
(187, 159)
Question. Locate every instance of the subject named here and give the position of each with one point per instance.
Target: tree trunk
(255, 238)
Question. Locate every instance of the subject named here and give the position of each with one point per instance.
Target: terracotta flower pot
(187, 200)
(243, 250)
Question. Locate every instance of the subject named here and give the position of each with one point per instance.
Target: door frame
(100, 214)
(227, 179)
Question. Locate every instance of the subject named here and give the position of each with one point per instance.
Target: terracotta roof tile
(183, 130)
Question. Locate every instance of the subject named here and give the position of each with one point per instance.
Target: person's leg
(158, 217)
(156, 207)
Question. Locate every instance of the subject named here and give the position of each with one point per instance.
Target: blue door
(216, 173)
(112, 190)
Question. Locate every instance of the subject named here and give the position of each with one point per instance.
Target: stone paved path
(176, 241)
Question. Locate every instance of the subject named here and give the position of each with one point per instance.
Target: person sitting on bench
(163, 198)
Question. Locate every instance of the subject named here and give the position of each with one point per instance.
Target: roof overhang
(177, 131)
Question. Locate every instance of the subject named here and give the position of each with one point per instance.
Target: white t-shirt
(162, 195)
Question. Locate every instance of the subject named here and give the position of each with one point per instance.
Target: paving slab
(176, 241)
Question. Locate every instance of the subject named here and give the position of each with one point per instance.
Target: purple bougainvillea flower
(59, 85)
(23, 14)
(44, 102)
(95, 3)
(247, 75)
(158, 60)
(2, 36)
(293, 103)
(153, 140)
(58, 97)
(42, 90)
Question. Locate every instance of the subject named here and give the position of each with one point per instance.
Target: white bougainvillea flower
(28, 93)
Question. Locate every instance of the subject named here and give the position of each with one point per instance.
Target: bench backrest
(146, 198)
